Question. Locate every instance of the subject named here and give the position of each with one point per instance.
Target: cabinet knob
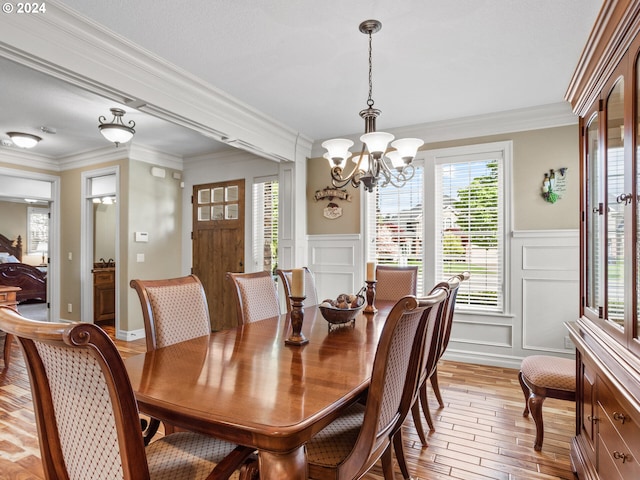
(620, 417)
(625, 198)
(620, 456)
(592, 419)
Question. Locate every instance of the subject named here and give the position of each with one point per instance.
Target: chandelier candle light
(376, 165)
(297, 304)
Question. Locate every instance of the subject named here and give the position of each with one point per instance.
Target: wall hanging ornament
(554, 184)
(332, 210)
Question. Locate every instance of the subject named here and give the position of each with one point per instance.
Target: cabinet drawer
(614, 454)
(101, 278)
(618, 412)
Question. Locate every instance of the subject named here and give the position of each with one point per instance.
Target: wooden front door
(218, 245)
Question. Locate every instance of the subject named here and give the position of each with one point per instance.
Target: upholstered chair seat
(541, 377)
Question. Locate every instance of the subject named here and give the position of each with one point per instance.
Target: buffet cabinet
(605, 94)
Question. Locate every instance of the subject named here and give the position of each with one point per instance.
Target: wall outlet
(567, 342)
(69, 307)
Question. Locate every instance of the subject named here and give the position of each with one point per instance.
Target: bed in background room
(14, 273)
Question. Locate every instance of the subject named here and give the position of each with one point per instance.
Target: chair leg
(425, 406)
(436, 387)
(417, 421)
(535, 404)
(526, 392)
(387, 464)
(398, 447)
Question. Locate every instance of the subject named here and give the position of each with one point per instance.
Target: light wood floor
(480, 434)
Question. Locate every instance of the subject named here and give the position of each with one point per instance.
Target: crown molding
(92, 157)
(155, 157)
(29, 159)
(511, 121)
(75, 49)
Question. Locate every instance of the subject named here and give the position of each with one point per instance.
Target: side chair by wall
(87, 416)
(309, 287)
(256, 296)
(393, 282)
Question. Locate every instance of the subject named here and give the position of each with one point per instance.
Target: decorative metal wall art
(554, 184)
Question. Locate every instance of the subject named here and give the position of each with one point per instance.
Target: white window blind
(265, 224)
(469, 227)
(395, 224)
(38, 233)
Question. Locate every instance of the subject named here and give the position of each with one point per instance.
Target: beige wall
(535, 152)
(155, 206)
(319, 177)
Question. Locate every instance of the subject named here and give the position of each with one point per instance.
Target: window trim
(447, 155)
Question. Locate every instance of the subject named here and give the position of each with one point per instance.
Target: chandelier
(116, 131)
(376, 165)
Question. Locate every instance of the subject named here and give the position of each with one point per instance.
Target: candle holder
(371, 297)
(297, 316)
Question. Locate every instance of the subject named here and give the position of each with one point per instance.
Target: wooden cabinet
(104, 294)
(8, 297)
(605, 93)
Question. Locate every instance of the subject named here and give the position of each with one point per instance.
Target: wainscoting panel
(545, 286)
(336, 261)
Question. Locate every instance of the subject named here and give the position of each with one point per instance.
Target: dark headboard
(12, 247)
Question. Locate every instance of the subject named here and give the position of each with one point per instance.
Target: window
(38, 231)
(469, 211)
(451, 217)
(265, 224)
(395, 224)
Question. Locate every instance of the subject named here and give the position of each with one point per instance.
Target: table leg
(291, 465)
(8, 340)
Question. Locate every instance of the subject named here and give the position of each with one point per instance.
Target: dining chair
(309, 287)
(394, 282)
(256, 296)
(87, 416)
(349, 446)
(435, 346)
(174, 310)
(445, 336)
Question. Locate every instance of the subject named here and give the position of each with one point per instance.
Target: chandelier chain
(370, 99)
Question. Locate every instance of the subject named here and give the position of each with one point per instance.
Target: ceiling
(304, 64)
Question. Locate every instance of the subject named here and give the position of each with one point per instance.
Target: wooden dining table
(246, 386)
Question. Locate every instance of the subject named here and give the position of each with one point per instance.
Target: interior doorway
(100, 258)
(30, 193)
(218, 245)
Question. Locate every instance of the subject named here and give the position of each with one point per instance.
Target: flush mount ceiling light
(24, 140)
(375, 165)
(116, 131)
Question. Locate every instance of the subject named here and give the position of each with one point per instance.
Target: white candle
(297, 283)
(371, 271)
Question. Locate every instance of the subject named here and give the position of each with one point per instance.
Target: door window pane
(594, 221)
(615, 206)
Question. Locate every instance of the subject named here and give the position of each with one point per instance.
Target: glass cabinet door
(594, 213)
(616, 204)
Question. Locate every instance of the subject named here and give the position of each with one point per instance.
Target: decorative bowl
(337, 316)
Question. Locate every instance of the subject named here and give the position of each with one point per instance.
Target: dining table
(247, 386)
